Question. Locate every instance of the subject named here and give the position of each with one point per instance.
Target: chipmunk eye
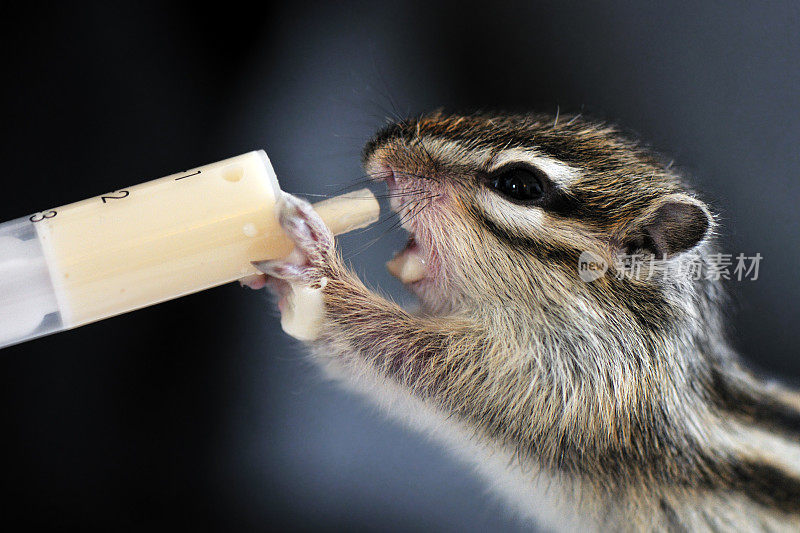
(520, 184)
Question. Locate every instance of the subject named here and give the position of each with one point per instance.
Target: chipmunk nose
(390, 179)
(384, 173)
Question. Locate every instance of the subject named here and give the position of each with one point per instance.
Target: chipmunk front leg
(326, 303)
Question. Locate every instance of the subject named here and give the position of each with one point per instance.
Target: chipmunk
(613, 404)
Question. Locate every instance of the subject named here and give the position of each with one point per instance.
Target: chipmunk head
(501, 208)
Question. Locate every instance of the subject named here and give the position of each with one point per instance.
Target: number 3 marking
(38, 217)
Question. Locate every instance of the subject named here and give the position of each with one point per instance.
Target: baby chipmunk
(609, 404)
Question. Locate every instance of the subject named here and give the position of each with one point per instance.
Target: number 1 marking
(188, 176)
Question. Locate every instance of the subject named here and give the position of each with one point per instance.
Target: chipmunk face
(500, 207)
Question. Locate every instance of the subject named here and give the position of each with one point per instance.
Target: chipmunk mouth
(411, 265)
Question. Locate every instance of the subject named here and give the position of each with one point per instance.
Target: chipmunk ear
(675, 224)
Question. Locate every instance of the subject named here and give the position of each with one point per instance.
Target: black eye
(520, 184)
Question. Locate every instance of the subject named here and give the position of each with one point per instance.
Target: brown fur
(623, 393)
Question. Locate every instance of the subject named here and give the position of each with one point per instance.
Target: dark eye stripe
(564, 255)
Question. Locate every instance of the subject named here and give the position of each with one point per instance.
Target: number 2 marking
(110, 196)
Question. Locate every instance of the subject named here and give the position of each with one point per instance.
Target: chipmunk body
(614, 403)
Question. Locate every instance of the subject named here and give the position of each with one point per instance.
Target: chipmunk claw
(305, 227)
(279, 269)
(308, 264)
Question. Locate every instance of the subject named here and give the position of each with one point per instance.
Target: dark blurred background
(201, 411)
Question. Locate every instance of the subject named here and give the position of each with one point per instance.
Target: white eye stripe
(518, 218)
(559, 173)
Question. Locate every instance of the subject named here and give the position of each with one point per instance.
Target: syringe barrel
(137, 246)
(28, 306)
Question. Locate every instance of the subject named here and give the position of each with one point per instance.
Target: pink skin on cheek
(425, 223)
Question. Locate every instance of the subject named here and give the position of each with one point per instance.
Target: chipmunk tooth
(408, 266)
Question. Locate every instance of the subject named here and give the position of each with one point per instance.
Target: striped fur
(616, 404)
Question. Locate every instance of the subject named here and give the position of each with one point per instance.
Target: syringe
(134, 247)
